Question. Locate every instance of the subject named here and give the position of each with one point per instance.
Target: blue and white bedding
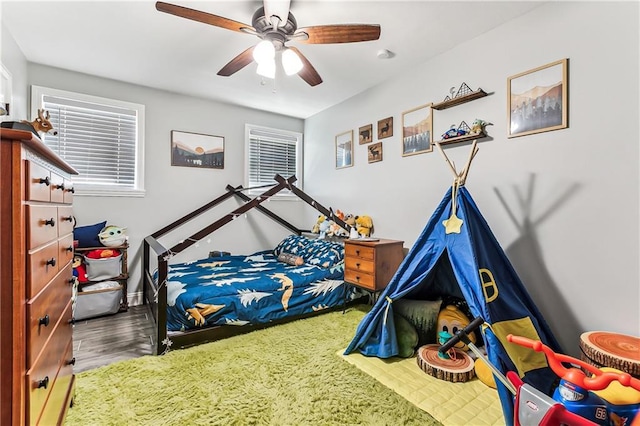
(255, 289)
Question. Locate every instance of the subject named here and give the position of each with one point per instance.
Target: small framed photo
(365, 134)
(197, 150)
(537, 100)
(417, 130)
(385, 128)
(344, 150)
(374, 152)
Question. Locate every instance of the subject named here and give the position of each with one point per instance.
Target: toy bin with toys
(98, 299)
(103, 264)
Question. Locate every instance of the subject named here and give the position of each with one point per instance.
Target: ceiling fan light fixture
(291, 62)
(267, 69)
(278, 8)
(264, 51)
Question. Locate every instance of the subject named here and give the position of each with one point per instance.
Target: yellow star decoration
(452, 225)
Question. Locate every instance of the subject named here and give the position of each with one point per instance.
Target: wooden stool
(460, 369)
(604, 349)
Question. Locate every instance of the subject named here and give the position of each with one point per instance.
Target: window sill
(139, 193)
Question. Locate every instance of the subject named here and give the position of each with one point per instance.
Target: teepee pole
(472, 154)
(453, 169)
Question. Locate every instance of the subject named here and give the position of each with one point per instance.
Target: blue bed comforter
(239, 290)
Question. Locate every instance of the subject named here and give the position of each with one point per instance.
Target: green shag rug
(283, 375)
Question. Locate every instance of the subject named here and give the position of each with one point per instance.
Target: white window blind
(100, 138)
(271, 152)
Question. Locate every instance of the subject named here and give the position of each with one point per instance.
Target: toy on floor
(575, 401)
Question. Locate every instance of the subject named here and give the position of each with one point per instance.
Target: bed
(221, 296)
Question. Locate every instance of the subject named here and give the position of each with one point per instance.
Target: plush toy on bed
(316, 226)
(364, 225)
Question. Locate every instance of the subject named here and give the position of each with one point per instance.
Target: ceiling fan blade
(308, 73)
(342, 33)
(237, 63)
(204, 17)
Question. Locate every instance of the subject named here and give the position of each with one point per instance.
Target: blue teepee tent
(464, 260)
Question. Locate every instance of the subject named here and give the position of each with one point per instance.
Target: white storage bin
(98, 299)
(103, 269)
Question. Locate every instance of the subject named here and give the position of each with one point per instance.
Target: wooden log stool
(604, 349)
(460, 369)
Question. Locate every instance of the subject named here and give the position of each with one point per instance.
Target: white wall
(172, 192)
(576, 244)
(14, 61)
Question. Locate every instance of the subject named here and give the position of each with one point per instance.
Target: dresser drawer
(41, 377)
(65, 220)
(68, 191)
(359, 264)
(353, 250)
(38, 182)
(45, 311)
(65, 250)
(57, 188)
(42, 225)
(360, 279)
(60, 395)
(42, 266)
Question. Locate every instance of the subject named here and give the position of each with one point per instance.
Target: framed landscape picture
(417, 130)
(537, 99)
(344, 150)
(197, 150)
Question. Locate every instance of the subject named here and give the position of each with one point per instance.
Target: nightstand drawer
(353, 250)
(359, 265)
(360, 279)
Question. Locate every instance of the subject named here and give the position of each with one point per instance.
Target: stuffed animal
(79, 270)
(113, 236)
(364, 225)
(316, 227)
(453, 317)
(478, 125)
(324, 228)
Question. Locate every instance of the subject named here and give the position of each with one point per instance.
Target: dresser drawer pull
(71, 190)
(43, 383)
(51, 222)
(358, 265)
(357, 278)
(72, 321)
(45, 180)
(60, 186)
(51, 262)
(67, 219)
(69, 249)
(72, 361)
(357, 252)
(71, 281)
(44, 320)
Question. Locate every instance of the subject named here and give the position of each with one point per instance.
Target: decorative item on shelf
(462, 95)
(465, 133)
(113, 236)
(41, 125)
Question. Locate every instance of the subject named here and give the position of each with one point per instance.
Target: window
(270, 152)
(103, 139)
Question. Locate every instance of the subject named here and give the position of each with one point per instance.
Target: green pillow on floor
(407, 337)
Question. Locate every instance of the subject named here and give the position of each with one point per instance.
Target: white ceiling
(131, 41)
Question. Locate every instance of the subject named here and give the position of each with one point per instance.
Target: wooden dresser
(36, 250)
(371, 264)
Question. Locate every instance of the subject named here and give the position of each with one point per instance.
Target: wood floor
(101, 341)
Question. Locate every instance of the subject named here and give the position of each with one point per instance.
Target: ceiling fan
(275, 25)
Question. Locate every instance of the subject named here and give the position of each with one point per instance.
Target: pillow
(406, 335)
(87, 236)
(323, 253)
(293, 244)
(423, 315)
(290, 259)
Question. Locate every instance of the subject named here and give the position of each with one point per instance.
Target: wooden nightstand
(370, 265)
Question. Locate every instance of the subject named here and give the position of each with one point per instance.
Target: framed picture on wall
(417, 130)
(365, 134)
(537, 99)
(344, 150)
(385, 128)
(197, 150)
(374, 152)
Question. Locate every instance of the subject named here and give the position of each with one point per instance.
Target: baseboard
(135, 299)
